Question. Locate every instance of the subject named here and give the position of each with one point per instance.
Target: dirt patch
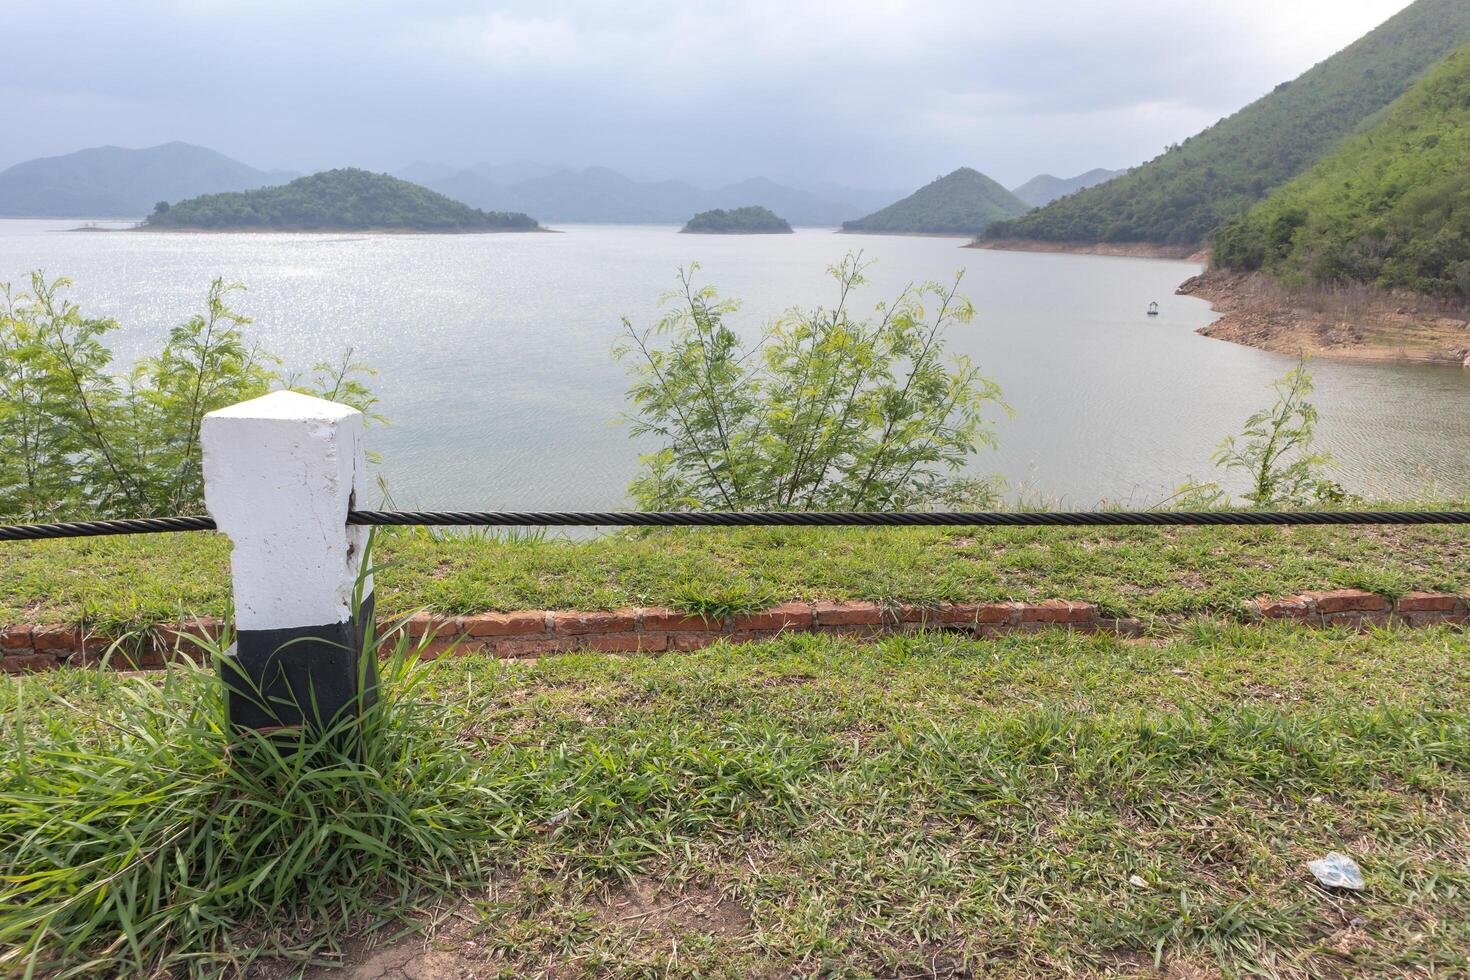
(645, 906)
(1352, 323)
(448, 952)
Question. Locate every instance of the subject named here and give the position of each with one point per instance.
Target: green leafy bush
(1275, 453)
(79, 439)
(825, 411)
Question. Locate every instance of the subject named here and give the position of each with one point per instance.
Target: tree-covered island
(751, 220)
(335, 200)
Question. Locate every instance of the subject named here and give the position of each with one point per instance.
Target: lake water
(495, 369)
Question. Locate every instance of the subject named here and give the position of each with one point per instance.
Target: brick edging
(1358, 607)
(656, 630)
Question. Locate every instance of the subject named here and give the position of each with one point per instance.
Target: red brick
(629, 643)
(59, 638)
(966, 614)
(685, 642)
(1433, 618)
(1292, 607)
(189, 652)
(505, 624)
(786, 616)
(15, 638)
(427, 624)
(1427, 602)
(27, 662)
(530, 646)
(187, 638)
(848, 614)
(573, 623)
(1058, 611)
(1355, 618)
(147, 658)
(1347, 600)
(673, 619)
(436, 648)
(125, 655)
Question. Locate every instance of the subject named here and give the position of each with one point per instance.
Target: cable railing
(777, 518)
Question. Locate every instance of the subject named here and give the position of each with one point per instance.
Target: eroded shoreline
(1356, 324)
(1135, 250)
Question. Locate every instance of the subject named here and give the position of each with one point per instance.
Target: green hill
(1181, 197)
(1045, 188)
(1389, 208)
(753, 220)
(336, 200)
(962, 203)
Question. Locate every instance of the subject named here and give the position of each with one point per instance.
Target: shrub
(825, 411)
(80, 439)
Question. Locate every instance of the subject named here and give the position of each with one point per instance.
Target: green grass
(116, 584)
(139, 836)
(924, 804)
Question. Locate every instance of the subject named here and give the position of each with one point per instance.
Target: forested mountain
(751, 220)
(1044, 188)
(962, 203)
(113, 182)
(1181, 197)
(1390, 207)
(336, 200)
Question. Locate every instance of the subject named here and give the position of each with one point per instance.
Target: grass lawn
(114, 584)
(1041, 805)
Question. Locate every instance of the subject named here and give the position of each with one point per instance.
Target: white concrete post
(280, 474)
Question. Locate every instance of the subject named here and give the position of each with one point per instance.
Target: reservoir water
(495, 366)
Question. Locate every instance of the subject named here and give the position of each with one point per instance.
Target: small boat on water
(1153, 308)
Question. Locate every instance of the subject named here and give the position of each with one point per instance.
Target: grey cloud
(880, 93)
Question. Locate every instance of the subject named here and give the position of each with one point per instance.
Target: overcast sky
(878, 93)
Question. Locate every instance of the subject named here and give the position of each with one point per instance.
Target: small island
(753, 220)
(335, 200)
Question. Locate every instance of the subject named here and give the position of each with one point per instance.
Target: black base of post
(306, 675)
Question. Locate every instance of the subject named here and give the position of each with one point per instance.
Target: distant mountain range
(1181, 197)
(112, 182)
(960, 203)
(1044, 188)
(600, 195)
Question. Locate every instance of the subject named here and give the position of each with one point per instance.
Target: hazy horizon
(887, 95)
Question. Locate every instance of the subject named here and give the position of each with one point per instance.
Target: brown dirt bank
(1352, 323)
(905, 234)
(1137, 250)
